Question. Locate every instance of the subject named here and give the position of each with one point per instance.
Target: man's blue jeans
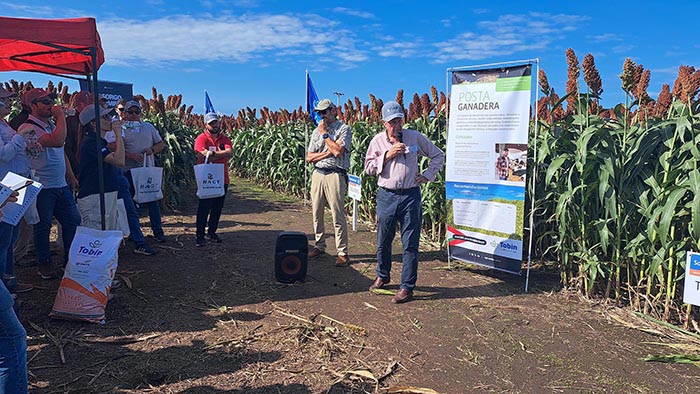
(8, 236)
(13, 348)
(132, 214)
(58, 202)
(402, 207)
(153, 210)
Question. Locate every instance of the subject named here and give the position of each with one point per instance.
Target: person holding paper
(13, 340)
(218, 146)
(393, 157)
(52, 169)
(13, 158)
(89, 192)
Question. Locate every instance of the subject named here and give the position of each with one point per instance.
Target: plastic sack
(148, 181)
(92, 263)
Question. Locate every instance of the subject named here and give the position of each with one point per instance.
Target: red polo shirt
(207, 141)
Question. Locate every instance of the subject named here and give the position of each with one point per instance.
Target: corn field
(617, 190)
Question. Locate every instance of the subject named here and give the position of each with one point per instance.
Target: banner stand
(503, 144)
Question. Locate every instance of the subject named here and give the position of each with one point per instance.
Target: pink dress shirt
(401, 171)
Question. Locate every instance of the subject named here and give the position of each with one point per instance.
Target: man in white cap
(329, 152)
(393, 157)
(142, 138)
(89, 191)
(51, 168)
(215, 143)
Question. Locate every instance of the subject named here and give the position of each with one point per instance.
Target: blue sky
(255, 53)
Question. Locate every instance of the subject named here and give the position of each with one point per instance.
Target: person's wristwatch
(326, 136)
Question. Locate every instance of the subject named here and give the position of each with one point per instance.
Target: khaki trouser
(329, 189)
(89, 207)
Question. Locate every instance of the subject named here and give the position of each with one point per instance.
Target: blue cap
(391, 110)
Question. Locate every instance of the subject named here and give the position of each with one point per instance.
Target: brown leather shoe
(342, 261)
(402, 296)
(315, 252)
(379, 283)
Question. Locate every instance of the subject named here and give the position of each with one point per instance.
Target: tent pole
(98, 132)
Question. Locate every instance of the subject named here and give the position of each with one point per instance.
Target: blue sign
(111, 91)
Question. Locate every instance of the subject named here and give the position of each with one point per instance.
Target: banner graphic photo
(486, 165)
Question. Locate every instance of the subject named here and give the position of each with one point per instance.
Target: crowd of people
(61, 149)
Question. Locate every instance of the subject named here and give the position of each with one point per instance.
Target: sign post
(691, 288)
(354, 192)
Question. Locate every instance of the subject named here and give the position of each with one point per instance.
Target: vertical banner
(486, 165)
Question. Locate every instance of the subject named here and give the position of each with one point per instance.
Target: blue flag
(311, 100)
(208, 107)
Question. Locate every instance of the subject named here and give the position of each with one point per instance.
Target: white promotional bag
(148, 181)
(210, 179)
(85, 287)
(122, 218)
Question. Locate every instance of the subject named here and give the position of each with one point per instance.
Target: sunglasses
(44, 101)
(134, 112)
(323, 112)
(120, 109)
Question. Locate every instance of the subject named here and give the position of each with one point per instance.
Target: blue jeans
(8, 236)
(58, 202)
(403, 207)
(132, 214)
(13, 348)
(153, 209)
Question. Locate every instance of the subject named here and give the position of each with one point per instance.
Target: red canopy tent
(59, 47)
(53, 46)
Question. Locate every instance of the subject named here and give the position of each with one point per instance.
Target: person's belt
(334, 170)
(401, 191)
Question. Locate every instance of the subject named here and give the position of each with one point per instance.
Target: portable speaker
(291, 252)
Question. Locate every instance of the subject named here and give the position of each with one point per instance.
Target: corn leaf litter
(358, 374)
(409, 390)
(675, 358)
(383, 292)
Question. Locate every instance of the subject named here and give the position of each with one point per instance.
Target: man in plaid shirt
(502, 165)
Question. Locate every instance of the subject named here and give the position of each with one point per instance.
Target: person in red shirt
(214, 142)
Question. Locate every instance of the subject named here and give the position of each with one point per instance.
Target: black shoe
(201, 241)
(160, 238)
(214, 238)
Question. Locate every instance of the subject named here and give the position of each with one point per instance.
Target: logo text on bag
(92, 250)
(210, 180)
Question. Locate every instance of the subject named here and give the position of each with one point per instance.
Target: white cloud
(607, 37)
(227, 38)
(402, 50)
(20, 10)
(351, 12)
(507, 35)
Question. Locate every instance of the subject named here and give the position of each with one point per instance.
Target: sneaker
(48, 271)
(214, 238)
(14, 286)
(145, 250)
(23, 287)
(160, 238)
(201, 241)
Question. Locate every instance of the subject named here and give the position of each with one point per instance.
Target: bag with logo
(210, 179)
(147, 181)
(86, 283)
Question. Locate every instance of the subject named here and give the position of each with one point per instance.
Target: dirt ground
(214, 320)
